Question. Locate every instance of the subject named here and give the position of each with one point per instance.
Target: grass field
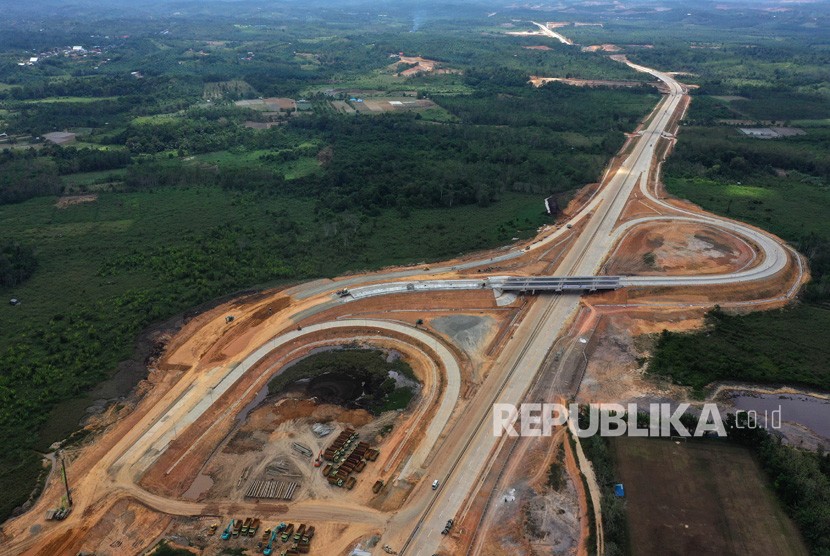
(788, 207)
(701, 498)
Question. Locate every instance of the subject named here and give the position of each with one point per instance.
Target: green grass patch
(787, 207)
(89, 179)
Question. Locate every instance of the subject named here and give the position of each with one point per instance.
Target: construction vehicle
(237, 528)
(246, 526)
(309, 534)
(287, 533)
(213, 528)
(300, 532)
(252, 529)
(265, 535)
(447, 527)
(226, 534)
(270, 547)
(377, 486)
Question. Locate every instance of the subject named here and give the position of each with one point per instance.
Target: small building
(33, 60)
(60, 137)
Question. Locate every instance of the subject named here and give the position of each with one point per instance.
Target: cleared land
(700, 498)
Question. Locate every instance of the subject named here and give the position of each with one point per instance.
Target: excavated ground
(666, 248)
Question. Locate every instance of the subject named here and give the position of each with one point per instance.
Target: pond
(809, 411)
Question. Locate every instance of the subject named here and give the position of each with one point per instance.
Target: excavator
(226, 534)
(270, 546)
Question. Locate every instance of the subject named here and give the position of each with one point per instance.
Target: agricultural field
(700, 497)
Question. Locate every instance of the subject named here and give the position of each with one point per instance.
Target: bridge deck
(560, 284)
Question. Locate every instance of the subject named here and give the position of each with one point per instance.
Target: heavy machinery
(309, 534)
(246, 526)
(253, 527)
(300, 532)
(270, 546)
(286, 534)
(226, 534)
(447, 527)
(237, 528)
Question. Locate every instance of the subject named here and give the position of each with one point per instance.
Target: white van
(435, 484)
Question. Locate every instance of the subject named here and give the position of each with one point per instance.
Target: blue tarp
(619, 490)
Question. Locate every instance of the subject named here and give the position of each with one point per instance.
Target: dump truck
(286, 534)
(246, 525)
(253, 528)
(350, 482)
(237, 528)
(300, 532)
(309, 534)
(377, 486)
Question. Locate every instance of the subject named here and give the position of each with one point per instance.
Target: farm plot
(700, 498)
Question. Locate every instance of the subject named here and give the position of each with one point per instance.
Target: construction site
(204, 457)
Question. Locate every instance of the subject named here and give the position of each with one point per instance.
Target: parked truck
(286, 534)
(309, 534)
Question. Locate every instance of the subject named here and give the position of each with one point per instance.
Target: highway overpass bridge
(557, 284)
(499, 285)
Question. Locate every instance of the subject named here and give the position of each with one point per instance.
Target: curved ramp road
(187, 408)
